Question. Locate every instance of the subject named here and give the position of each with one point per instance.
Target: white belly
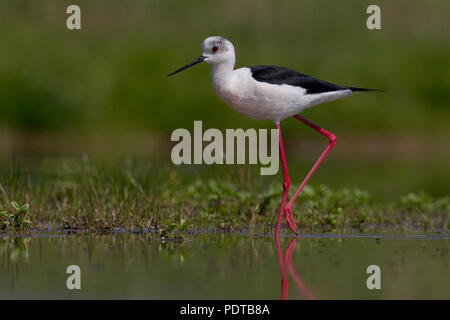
(264, 101)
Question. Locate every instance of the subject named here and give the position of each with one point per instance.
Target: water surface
(206, 266)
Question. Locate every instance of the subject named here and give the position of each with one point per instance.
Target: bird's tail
(363, 89)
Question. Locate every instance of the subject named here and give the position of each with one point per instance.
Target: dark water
(224, 267)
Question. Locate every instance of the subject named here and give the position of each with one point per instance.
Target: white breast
(265, 101)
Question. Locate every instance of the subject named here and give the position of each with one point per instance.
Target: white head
(216, 50)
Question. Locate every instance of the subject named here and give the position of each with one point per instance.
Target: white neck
(221, 72)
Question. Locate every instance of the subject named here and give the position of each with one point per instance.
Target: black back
(281, 75)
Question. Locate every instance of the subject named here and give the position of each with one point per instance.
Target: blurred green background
(102, 90)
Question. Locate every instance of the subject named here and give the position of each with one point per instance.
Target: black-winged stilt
(269, 93)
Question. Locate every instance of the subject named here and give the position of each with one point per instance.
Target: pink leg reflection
(286, 263)
(284, 283)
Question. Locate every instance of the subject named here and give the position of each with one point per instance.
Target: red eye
(215, 49)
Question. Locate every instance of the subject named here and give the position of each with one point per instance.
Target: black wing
(281, 75)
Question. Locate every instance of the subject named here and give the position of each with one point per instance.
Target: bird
(267, 92)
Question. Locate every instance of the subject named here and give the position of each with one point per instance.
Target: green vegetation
(136, 195)
(17, 218)
(102, 91)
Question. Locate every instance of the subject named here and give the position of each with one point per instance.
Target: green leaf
(15, 205)
(184, 225)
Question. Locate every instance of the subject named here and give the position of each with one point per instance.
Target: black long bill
(198, 60)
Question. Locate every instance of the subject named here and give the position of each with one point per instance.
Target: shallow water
(224, 267)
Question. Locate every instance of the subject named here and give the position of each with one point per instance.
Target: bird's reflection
(286, 264)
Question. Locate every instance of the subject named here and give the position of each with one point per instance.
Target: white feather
(265, 101)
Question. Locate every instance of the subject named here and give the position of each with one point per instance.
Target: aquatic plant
(17, 218)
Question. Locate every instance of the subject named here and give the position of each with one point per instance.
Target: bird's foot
(289, 219)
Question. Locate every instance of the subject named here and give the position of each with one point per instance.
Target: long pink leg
(332, 141)
(286, 181)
